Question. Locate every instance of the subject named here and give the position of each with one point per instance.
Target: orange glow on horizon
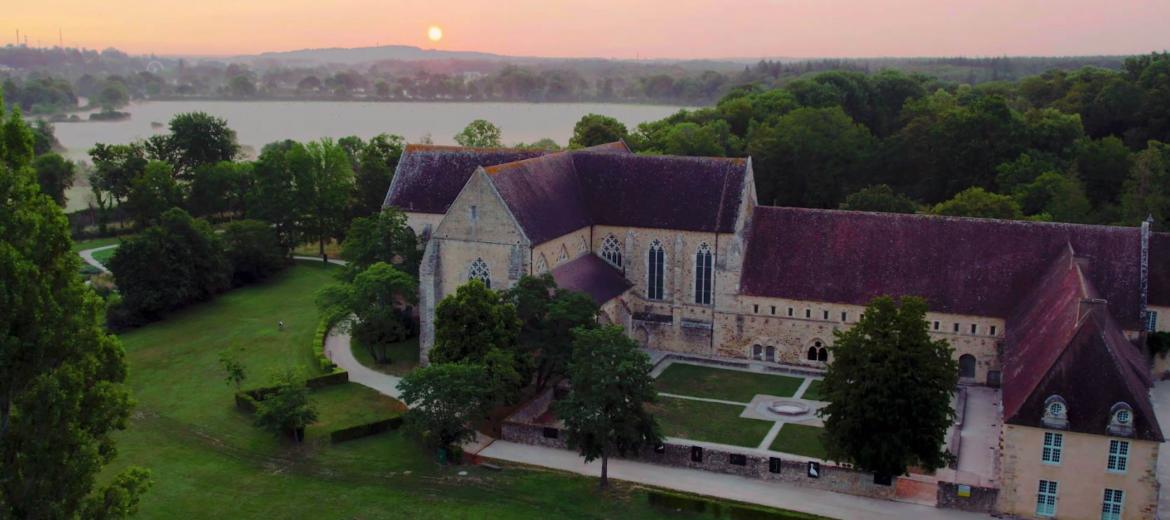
(604, 28)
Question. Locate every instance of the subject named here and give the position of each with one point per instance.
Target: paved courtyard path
(87, 257)
(338, 349)
(729, 487)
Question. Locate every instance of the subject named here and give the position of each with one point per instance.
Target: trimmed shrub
(319, 346)
(337, 378)
(365, 430)
(246, 399)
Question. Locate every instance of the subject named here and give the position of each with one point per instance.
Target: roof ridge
(424, 147)
(928, 216)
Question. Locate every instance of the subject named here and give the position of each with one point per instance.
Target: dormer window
(1121, 420)
(1055, 413)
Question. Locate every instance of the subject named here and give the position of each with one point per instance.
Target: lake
(261, 122)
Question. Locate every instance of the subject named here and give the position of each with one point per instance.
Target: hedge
(246, 399)
(319, 346)
(365, 430)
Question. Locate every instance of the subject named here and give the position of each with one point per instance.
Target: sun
(435, 33)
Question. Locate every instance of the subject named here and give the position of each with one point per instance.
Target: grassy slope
(208, 460)
(719, 383)
(710, 422)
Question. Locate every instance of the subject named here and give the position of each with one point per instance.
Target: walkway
(87, 257)
(337, 349)
(729, 487)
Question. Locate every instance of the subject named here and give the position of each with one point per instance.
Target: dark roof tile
(593, 276)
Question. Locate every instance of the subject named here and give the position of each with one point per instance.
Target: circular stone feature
(788, 408)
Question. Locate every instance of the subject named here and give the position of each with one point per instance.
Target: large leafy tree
(61, 374)
(472, 322)
(287, 410)
(604, 413)
(375, 164)
(273, 197)
(152, 192)
(55, 175)
(480, 134)
(880, 198)
(978, 202)
(382, 237)
(889, 389)
(444, 399)
(253, 250)
(220, 188)
(199, 139)
(324, 182)
(115, 166)
(595, 129)
(1147, 191)
(378, 299)
(548, 314)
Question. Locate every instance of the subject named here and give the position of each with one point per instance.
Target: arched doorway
(967, 366)
(757, 352)
(823, 355)
(770, 353)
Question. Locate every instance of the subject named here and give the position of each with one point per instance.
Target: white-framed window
(1046, 498)
(1111, 505)
(703, 272)
(655, 267)
(479, 271)
(541, 264)
(611, 251)
(1118, 456)
(1053, 445)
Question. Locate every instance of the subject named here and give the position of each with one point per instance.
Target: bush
(253, 250)
(337, 378)
(365, 430)
(319, 346)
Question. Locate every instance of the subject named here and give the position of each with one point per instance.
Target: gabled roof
(969, 266)
(543, 194)
(593, 276)
(1063, 341)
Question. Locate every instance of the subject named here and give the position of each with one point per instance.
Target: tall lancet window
(611, 251)
(655, 265)
(479, 271)
(703, 272)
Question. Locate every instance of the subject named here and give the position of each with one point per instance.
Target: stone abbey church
(678, 251)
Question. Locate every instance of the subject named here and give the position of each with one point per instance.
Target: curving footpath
(338, 349)
(87, 257)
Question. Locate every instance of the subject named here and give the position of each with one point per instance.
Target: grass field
(403, 357)
(95, 242)
(799, 439)
(813, 392)
(710, 422)
(720, 383)
(208, 461)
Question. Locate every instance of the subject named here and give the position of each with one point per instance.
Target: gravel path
(87, 257)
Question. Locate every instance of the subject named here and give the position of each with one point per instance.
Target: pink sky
(606, 28)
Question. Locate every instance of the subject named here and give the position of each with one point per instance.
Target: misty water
(261, 122)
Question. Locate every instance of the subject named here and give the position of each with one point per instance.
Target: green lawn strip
(719, 383)
(403, 357)
(799, 439)
(92, 243)
(103, 257)
(709, 422)
(813, 392)
(351, 404)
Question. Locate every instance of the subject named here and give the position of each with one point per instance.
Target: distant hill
(371, 54)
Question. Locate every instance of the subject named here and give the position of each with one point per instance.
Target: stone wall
(978, 499)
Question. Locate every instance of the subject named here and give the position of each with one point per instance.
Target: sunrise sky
(604, 28)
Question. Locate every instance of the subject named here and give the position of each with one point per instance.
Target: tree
(1103, 165)
(472, 322)
(288, 409)
(114, 95)
(115, 166)
(61, 374)
(880, 198)
(379, 300)
(253, 250)
(153, 192)
(322, 189)
(977, 202)
(242, 86)
(480, 134)
(548, 315)
(595, 129)
(382, 237)
(443, 399)
(199, 139)
(233, 368)
(55, 175)
(376, 162)
(1054, 196)
(889, 390)
(1147, 191)
(178, 262)
(273, 197)
(604, 413)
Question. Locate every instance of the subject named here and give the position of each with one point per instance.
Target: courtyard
(732, 407)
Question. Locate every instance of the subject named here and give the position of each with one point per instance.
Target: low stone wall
(967, 498)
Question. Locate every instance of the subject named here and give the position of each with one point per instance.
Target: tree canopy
(480, 134)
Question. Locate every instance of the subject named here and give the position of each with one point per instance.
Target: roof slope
(428, 177)
(1063, 341)
(593, 276)
(960, 265)
(543, 194)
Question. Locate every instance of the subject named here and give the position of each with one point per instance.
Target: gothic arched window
(655, 265)
(703, 271)
(611, 251)
(564, 255)
(541, 265)
(479, 271)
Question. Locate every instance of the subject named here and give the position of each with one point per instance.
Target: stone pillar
(428, 298)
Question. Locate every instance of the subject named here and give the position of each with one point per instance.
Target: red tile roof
(978, 267)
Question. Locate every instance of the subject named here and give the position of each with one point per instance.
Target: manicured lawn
(799, 439)
(719, 383)
(95, 242)
(710, 422)
(403, 357)
(332, 248)
(813, 392)
(103, 257)
(208, 461)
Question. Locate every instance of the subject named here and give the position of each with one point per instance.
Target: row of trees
(1082, 146)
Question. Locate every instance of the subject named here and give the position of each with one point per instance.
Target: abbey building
(678, 252)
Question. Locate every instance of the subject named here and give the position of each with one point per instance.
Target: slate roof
(543, 194)
(967, 266)
(1063, 341)
(593, 276)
